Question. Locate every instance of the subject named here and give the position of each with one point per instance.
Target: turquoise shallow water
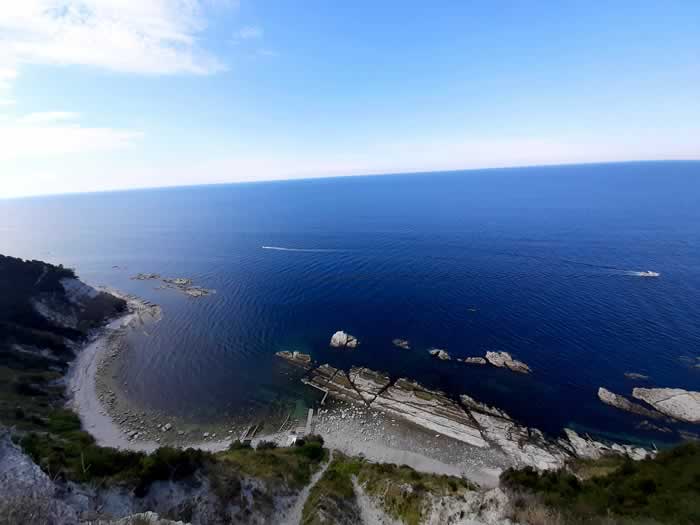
(539, 262)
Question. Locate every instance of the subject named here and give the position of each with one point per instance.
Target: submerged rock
(675, 402)
(297, 358)
(440, 354)
(342, 340)
(145, 277)
(504, 359)
(648, 425)
(474, 360)
(635, 375)
(621, 402)
(402, 343)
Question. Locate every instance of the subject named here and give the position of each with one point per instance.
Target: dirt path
(293, 515)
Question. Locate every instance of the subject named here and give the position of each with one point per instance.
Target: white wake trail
(283, 249)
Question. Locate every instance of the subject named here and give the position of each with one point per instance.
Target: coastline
(81, 380)
(373, 431)
(112, 420)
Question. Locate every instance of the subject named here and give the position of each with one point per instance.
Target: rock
(335, 382)
(527, 446)
(206, 434)
(474, 360)
(145, 277)
(588, 448)
(342, 340)
(504, 359)
(368, 383)
(297, 358)
(167, 427)
(634, 375)
(689, 436)
(679, 404)
(440, 354)
(402, 343)
(647, 425)
(621, 402)
(429, 409)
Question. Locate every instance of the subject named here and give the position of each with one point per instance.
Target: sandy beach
(114, 421)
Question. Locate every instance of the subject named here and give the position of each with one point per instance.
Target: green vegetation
(333, 495)
(665, 489)
(293, 466)
(403, 492)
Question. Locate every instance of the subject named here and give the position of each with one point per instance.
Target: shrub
(266, 445)
(239, 445)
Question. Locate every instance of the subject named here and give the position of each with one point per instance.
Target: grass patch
(403, 492)
(334, 494)
(663, 490)
(293, 466)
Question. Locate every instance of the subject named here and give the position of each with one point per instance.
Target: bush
(665, 489)
(266, 445)
(312, 451)
(238, 445)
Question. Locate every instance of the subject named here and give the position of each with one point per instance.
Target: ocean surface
(539, 262)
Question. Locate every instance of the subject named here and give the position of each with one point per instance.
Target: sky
(114, 94)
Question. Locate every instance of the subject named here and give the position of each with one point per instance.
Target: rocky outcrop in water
(297, 358)
(621, 402)
(473, 422)
(636, 376)
(401, 343)
(368, 383)
(587, 448)
(182, 284)
(429, 409)
(677, 403)
(442, 355)
(505, 360)
(527, 446)
(341, 339)
(473, 360)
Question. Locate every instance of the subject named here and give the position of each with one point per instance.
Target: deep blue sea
(539, 262)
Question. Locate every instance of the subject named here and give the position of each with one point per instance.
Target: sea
(541, 262)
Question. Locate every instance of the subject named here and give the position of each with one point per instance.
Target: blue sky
(111, 94)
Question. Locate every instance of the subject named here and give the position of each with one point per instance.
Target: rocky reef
(469, 422)
(297, 358)
(473, 360)
(504, 359)
(401, 343)
(677, 403)
(442, 355)
(183, 284)
(621, 402)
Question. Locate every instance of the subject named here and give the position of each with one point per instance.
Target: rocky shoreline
(469, 421)
(466, 423)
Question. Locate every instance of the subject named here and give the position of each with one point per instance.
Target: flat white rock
(680, 404)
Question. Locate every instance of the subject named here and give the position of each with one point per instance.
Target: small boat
(648, 273)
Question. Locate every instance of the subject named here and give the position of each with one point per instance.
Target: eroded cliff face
(45, 311)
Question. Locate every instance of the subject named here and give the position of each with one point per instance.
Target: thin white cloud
(249, 33)
(48, 117)
(133, 36)
(52, 133)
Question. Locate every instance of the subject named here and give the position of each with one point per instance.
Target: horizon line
(328, 177)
